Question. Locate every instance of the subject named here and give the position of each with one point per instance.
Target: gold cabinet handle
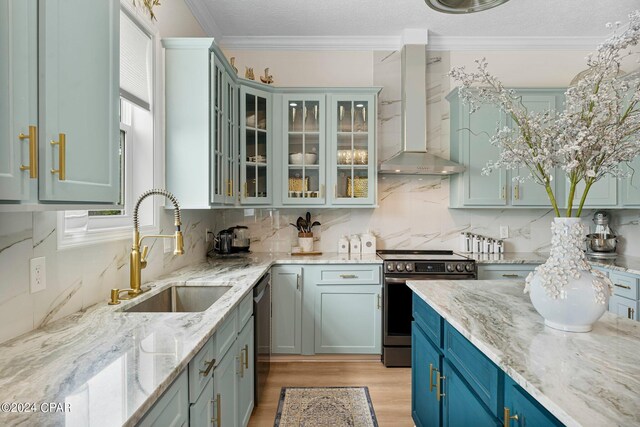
(33, 151)
(508, 417)
(217, 420)
(298, 282)
(431, 371)
(618, 285)
(348, 276)
(246, 190)
(62, 154)
(241, 359)
(379, 302)
(516, 192)
(630, 313)
(209, 367)
(510, 276)
(439, 380)
(246, 356)
(503, 193)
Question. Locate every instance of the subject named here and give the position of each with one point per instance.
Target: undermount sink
(179, 299)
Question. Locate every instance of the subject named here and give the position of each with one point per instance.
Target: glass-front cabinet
(353, 149)
(218, 127)
(304, 152)
(255, 146)
(231, 153)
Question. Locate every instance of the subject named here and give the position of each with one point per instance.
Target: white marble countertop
(111, 366)
(584, 379)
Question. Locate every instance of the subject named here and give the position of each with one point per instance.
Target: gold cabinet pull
(217, 420)
(516, 192)
(348, 276)
(379, 302)
(246, 190)
(62, 154)
(630, 313)
(431, 370)
(618, 285)
(209, 367)
(510, 276)
(230, 188)
(246, 356)
(298, 282)
(33, 151)
(439, 380)
(508, 417)
(241, 358)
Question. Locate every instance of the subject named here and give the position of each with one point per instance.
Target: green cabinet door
(426, 363)
(172, 409)
(603, 193)
(460, 406)
(218, 105)
(631, 186)
(247, 372)
(18, 95)
(348, 318)
(286, 317)
(225, 389)
(201, 411)
(79, 100)
(521, 405)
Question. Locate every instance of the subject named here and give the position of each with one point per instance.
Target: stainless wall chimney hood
(414, 159)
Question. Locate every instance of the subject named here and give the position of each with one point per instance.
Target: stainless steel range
(399, 267)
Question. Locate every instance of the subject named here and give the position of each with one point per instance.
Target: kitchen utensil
(308, 219)
(598, 242)
(301, 224)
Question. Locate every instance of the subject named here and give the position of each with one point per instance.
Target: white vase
(565, 290)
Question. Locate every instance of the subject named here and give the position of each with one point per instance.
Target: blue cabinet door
(529, 413)
(246, 374)
(172, 409)
(286, 317)
(201, 411)
(460, 406)
(426, 362)
(225, 389)
(631, 186)
(79, 100)
(18, 96)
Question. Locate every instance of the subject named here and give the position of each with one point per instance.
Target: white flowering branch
(598, 130)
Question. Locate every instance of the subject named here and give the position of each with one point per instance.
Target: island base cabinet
(172, 409)
(426, 362)
(348, 319)
(523, 410)
(460, 406)
(246, 373)
(225, 389)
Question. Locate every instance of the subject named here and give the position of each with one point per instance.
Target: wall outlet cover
(504, 231)
(38, 274)
(208, 236)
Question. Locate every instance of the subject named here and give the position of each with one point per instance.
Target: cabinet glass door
(353, 149)
(631, 185)
(304, 128)
(218, 123)
(231, 142)
(255, 146)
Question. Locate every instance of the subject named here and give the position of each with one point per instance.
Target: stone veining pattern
(584, 379)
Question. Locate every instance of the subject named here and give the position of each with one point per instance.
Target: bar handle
(439, 380)
(431, 371)
(62, 157)
(508, 417)
(33, 151)
(209, 367)
(618, 285)
(348, 276)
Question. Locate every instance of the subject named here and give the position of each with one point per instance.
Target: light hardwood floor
(390, 388)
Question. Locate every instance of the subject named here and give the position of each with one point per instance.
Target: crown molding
(205, 17)
(436, 43)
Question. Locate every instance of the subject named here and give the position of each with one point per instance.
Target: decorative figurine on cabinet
(267, 79)
(232, 61)
(248, 74)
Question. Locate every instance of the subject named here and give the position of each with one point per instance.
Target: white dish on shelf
(298, 158)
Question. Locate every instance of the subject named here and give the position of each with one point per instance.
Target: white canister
(488, 246)
(368, 243)
(473, 242)
(354, 244)
(305, 241)
(499, 247)
(343, 245)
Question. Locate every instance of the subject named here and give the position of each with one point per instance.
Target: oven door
(398, 307)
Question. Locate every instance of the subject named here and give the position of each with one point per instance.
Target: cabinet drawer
(624, 285)
(351, 275)
(201, 370)
(226, 335)
(481, 374)
(245, 310)
(428, 319)
(503, 274)
(624, 307)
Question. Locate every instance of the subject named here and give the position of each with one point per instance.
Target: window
(137, 143)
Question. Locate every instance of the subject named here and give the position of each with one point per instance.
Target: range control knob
(469, 267)
(408, 267)
(400, 266)
(390, 266)
(460, 267)
(451, 268)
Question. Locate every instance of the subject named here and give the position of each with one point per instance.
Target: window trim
(122, 232)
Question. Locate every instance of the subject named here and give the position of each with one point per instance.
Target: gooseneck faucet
(138, 258)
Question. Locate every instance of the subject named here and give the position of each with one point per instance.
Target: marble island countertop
(584, 379)
(110, 366)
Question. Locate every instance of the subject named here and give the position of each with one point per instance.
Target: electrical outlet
(38, 274)
(168, 245)
(504, 231)
(208, 236)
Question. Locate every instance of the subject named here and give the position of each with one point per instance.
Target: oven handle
(398, 280)
(404, 280)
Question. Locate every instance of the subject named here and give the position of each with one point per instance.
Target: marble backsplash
(76, 277)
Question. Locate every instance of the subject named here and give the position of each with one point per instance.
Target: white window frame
(108, 229)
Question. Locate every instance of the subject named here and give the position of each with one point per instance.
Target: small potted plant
(305, 235)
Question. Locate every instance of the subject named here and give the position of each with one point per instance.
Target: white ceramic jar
(368, 243)
(354, 244)
(343, 245)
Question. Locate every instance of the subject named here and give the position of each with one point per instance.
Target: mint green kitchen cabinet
(79, 131)
(504, 271)
(231, 140)
(219, 121)
(626, 294)
(353, 152)
(256, 163)
(172, 409)
(602, 194)
(225, 389)
(246, 373)
(304, 156)
(201, 412)
(18, 96)
(286, 317)
(630, 187)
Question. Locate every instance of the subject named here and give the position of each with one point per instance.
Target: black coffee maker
(222, 242)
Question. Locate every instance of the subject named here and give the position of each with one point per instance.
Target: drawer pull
(511, 276)
(33, 151)
(62, 157)
(439, 380)
(209, 367)
(618, 285)
(431, 370)
(630, 313)
(348, 276)
(508, 417)
(217, 420)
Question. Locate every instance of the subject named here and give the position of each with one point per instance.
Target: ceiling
(235, 20)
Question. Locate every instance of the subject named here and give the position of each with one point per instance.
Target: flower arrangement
(149, 5)
(597, 132)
